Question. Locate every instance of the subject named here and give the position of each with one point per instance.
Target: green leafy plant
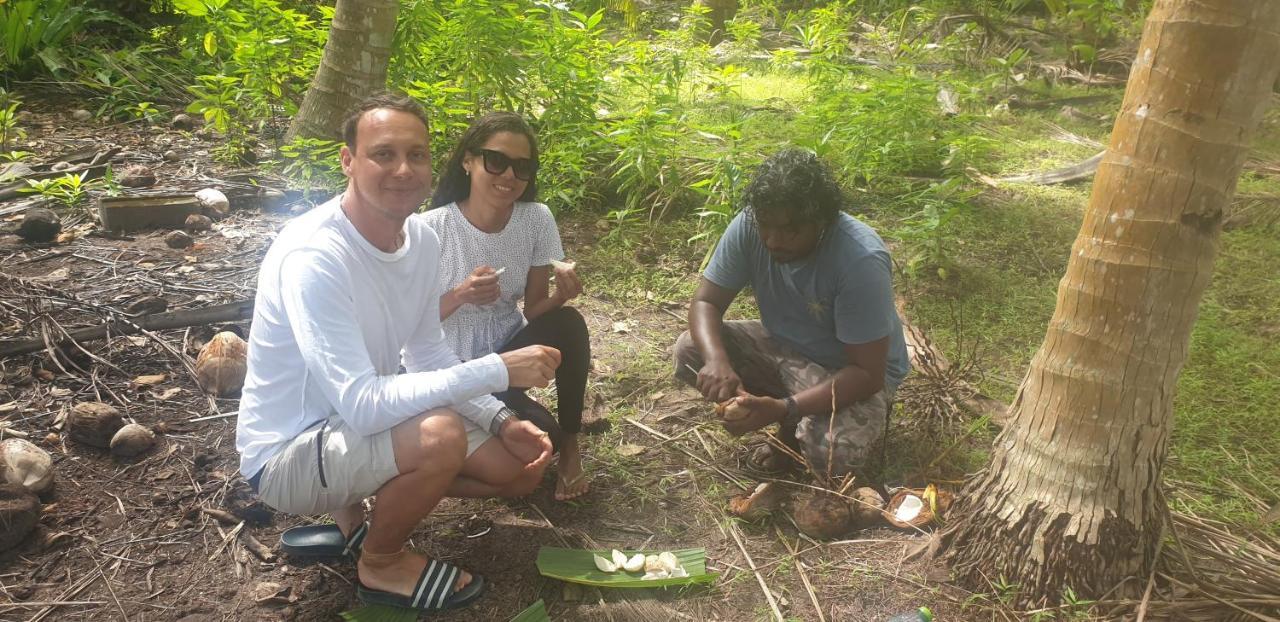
(69, 190)
(9, 129)
(34, 29)
(14, 156)
(311, 160)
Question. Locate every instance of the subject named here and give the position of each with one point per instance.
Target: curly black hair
(454, 183)
(794, 186)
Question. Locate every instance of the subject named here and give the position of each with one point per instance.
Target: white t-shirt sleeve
(546, 240)
(319, 308)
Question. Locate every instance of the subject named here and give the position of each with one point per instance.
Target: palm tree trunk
(1072, 495)
(354, 66)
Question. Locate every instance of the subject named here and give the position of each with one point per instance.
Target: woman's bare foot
(397, 573)
(571, 481)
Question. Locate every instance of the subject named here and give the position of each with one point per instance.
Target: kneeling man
(346, 295)
(827, 318)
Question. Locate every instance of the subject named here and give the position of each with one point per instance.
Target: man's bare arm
(716, 380)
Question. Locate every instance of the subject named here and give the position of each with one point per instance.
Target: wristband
(495, 424)
(793, 409)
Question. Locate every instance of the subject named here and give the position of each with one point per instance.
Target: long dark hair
(455, 185)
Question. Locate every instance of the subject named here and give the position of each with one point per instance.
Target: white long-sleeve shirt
(333, 320)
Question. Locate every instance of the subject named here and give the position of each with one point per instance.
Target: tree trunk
(1072, 496)
(354, 66)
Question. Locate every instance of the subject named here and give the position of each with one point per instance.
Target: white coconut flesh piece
(605, 565)
(635, 564)
(663, 566)
(909, 509)
(619, 558)
(563, 265)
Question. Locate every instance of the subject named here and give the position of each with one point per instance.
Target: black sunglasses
(496, 163)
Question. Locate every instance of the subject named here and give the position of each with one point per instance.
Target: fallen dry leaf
(149, 380)
(628, 450)
(167, 394)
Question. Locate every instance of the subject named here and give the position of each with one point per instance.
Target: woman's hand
(568, 286)
(479, 288)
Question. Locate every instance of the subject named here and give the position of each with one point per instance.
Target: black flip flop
(323, 541)
(432, 592)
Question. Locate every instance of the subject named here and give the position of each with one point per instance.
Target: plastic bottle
(919, 615)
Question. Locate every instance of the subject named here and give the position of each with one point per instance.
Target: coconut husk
(221, 365)
(132, 440)
(822, 515)
(931, 512)
(93, 423)
(24, 464)
(757, 504)
(866, 507)
(19, 513)
(729, 410)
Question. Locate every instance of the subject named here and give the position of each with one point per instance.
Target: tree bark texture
(1072, 495)
(353, 67)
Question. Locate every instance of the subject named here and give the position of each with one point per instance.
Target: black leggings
(565, 330)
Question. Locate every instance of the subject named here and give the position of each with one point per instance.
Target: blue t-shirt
(840, 294)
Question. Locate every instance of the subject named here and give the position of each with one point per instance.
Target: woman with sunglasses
(497, 245)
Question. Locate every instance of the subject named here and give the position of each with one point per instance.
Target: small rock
(40, 225)
(213, 203)
(60, 166)
(81, 115)
(182, 122)
(19, 513)
(178, 240)
(198, 222)
(132, 440)
(137, 176)
(147, 305)
(93, 423)
(171, 156)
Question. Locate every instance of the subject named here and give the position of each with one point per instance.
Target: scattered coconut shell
(137, 176)
(40, 225)
(213, 203)
(197, 222)
(178, 240)
(221, 364)
(916, 508)
(729, 410)
(171, 156)
(19, 513)
(132, 440)
(52, 438)
(58, 167)
(182, 122)
(93, 423)
(26, 465)
(766, 498)
(147, 305)
(866, 507)
(81, 114)
(822, 515)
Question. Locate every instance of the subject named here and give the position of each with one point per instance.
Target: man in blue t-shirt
(827, 318)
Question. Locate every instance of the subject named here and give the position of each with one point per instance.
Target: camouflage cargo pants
(851, 439)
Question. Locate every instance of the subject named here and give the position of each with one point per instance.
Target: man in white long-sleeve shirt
(347, 294)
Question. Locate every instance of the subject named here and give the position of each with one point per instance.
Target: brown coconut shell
(221, 365)
(757, 504)
(26, 465)
(93, 423)
(19, 513)
(822, 515)
(132, 440)
(926, 516)
(866, 507)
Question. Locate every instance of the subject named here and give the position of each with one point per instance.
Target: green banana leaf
(537, 612)
(379, 613)
(577, 566)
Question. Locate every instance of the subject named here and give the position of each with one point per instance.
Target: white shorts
(307, 478)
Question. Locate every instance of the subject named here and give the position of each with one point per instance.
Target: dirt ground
(131, 540)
